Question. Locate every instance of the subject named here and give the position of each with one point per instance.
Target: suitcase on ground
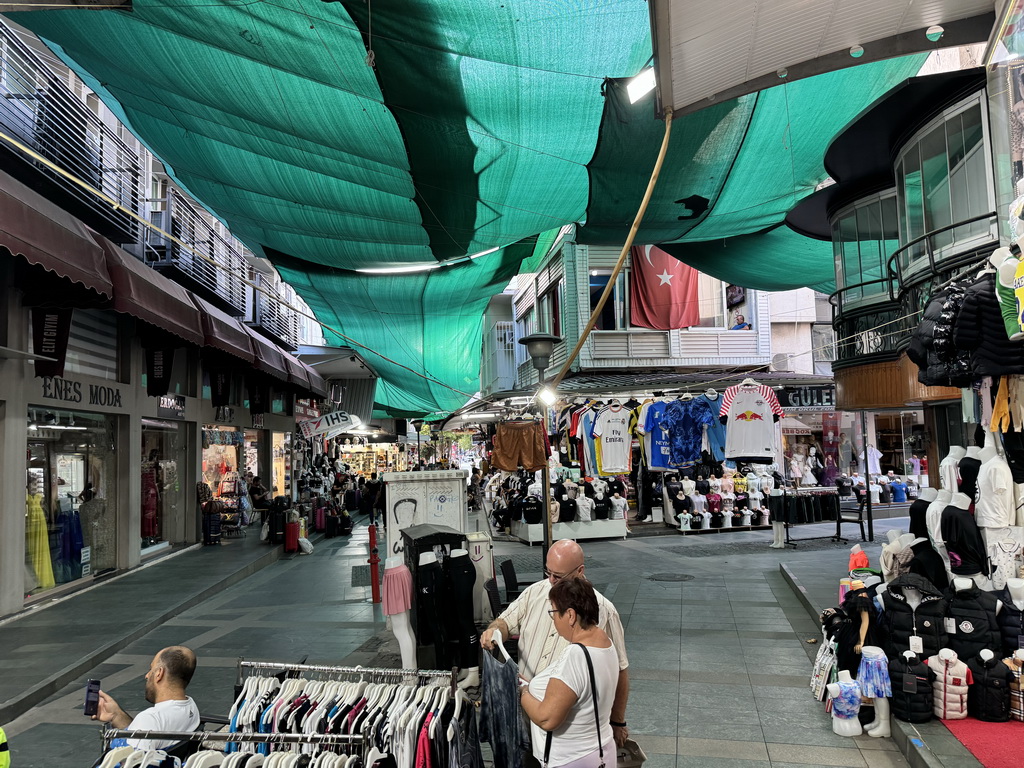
(291, 537)
(321, 519)
(211, 529)
(276, 533)
(332, 526)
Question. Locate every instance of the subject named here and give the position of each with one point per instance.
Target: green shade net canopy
(481, 128)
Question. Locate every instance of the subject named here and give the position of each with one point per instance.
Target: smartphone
(92, 698)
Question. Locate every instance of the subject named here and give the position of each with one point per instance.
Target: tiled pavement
(718, 664)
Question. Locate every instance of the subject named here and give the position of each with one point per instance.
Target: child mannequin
(845, 694)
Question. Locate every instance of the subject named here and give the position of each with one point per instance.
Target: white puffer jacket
(950, 687)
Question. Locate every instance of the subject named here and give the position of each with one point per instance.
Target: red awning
(269, 358)
(317, 383)
(44, 234)
(145, 294)
(223, 332)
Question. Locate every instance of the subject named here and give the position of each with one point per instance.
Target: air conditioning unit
(781, 363)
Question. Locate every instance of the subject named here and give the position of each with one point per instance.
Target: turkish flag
(663, 292)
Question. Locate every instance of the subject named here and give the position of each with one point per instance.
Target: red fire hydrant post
(374, 562)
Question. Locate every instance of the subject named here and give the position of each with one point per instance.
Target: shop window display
(70, 530)
(163, 454)
(282, 460)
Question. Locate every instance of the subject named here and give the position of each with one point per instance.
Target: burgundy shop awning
(269, 358)
(317, 383)
(145, 294)
(296, 371)
(223, 332)
(48, 236)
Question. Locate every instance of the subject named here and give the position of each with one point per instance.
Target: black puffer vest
(900, 622)
(988, 697)
(911, 706)
(974, 613)
(1011, 624)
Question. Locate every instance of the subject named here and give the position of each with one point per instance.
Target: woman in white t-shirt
(560, 700)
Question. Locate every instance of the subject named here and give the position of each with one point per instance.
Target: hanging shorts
(519, 445)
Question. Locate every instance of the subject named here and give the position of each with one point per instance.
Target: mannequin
(776, 503)
(988, 698)
(845, 694)
(873, 676)
(619, 507)
(797, 467)
(462, 578)
(962, 539)
(950, 688)
(933, 519)
(968, 468)
(813, 468)
(919, 512)
(1015, 662)
(845, 453)
(949, 478)
(397, 605)
(974, 615)
(995, 507)
(689, 487)
(1005, 263)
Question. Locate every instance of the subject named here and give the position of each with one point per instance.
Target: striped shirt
(539, 643)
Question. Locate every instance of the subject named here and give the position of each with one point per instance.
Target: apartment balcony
(197, 256)
(40, 112)
(271, 314)
(874, 320)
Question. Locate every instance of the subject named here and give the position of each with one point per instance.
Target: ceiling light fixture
(933, 33)
(857, 51)
(413, 268)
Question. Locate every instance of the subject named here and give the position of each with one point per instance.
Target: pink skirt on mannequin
(397, 590)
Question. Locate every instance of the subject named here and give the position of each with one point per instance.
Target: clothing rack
(327, 669)
(110, 734)
(814, 491)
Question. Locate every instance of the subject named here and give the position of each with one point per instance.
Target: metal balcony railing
(40, 111)
(272, 313)
(874, 319)
(223, 281)
(498, 371)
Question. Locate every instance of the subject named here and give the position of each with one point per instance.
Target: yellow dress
(37, 541)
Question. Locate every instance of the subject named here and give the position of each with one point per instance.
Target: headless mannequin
(928, 494)
(963, 583)
(778, 527)
(878, 728)
(1016, 589)
(934, 521)
(400, 623)
(843, 726)
(947, 467)
(973, 452)
(689, 487)
(963, 501)
(471, 677)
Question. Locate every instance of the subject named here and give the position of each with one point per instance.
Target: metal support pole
(374, 562)
(545, 489)
(867, 475)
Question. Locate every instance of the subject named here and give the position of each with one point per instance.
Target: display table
(595, 529)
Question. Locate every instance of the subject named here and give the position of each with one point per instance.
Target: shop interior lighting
(934, 33)
(547, 396)
(641, 85)
(857, 51)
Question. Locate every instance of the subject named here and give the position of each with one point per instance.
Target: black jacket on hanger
(979, 330)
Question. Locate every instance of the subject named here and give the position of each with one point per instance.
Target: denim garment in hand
(501, 719)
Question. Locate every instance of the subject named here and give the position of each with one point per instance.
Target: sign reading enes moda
(819, 397)
(329, 424)
(107, 396)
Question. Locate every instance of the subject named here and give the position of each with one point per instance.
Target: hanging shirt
(716, 429)
(685, 421)
(749, 412)
(588, 451)
(659, 450)
(611, 427)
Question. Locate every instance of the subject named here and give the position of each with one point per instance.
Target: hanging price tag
(1020, 641)
(909, 683)
(916, 644)
(950, 625)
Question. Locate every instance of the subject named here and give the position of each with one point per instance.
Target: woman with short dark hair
(568, 732)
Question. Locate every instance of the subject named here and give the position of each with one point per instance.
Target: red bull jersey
(750, 425)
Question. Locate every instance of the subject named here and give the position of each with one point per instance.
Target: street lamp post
(540, 346)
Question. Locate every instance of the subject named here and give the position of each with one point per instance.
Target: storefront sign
(329, 424)
(306, 409)
(51, 329)
(257, 421)
(86, 560)
(56, 388)
(810, 398)
(171, 407)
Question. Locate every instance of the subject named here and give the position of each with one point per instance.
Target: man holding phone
(169, 674)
